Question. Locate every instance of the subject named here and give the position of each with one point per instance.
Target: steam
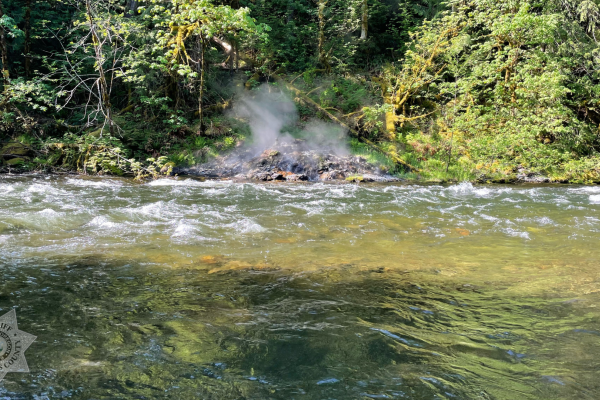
(267, 112)
(272, 115)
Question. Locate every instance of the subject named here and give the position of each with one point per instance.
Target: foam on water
(5, 189)
(104, 183)
(184, 229)
(544, 221)
(48, 212)
(585, 189)
(102, 222)
(191, 210)
(246, 226)
(516, 233)
(338, 290)
(188, 183)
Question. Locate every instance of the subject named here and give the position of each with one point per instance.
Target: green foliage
(345, 93)
(514, 88)
(293, 39)
(360, 149)
(485, 89)
(429, 9)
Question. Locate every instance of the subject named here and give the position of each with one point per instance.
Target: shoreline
(399, 180)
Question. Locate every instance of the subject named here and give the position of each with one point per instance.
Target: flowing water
(184, 289)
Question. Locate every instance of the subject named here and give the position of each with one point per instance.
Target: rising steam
(269, 112)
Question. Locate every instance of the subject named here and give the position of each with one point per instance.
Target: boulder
(14, 162)
(332, 175)
(15, 149)
(277, 176)
(262, 176)
(14, 154)
(296, 177)
(531, 177)
(291, 161)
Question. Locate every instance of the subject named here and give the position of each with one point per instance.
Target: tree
(364, 20)
(8, 29)
(101, 82)
(429, 9)
(516, 83)
(197, 21)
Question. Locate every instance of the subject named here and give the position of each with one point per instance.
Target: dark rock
(296, 177)
(531, 177)
(289, 161)
(332, 175)
(277, 176)
(261, 176)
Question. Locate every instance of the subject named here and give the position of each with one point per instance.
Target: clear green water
(186, 289)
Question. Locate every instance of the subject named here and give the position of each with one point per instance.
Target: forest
(476, 90)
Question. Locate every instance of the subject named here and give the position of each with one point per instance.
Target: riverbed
(185, 289)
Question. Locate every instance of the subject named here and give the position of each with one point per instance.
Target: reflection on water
(188, 289)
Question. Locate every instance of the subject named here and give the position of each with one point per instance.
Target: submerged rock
(290, 162)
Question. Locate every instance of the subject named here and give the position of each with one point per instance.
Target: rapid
(183, 288)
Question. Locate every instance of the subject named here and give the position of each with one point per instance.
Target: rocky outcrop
(290, 162)
(14, 154)
(531, 177)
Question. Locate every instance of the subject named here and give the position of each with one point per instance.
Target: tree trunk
(229, 50)
(232, 57)
(388, 99)
(365, 20)
(102, 85)
(27, 49)
(235, 56)
(201, 94)
(132, 8)
(4, 50)
(323, 58)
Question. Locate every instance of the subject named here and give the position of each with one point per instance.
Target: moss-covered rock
(14, 162)
(14, 149)
(355, 178)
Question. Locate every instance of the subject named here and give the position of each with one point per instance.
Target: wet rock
(531, 177)
(332, 175)
(296, 177)
(278, 176)
(289, 161)
(360, 178)
(261, 176)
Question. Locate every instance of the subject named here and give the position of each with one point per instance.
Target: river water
(185, 289)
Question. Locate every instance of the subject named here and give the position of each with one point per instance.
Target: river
(184, 289)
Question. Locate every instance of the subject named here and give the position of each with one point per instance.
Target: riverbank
(360, 164)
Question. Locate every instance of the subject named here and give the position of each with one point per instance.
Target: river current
(183, 289)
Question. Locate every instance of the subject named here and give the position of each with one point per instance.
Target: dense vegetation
(466, 89)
